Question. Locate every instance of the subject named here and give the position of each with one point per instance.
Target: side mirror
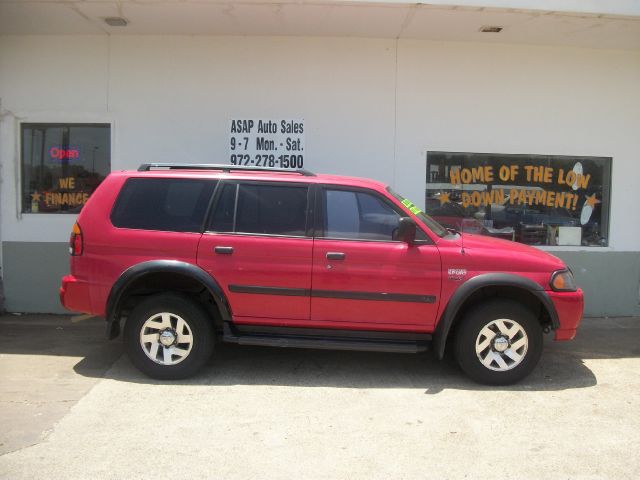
(406, 230)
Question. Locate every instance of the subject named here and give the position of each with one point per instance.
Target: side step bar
(324, 342)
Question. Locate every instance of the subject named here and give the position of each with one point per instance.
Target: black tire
(508, 371)
(199, 325)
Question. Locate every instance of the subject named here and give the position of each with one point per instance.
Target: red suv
(186, 255)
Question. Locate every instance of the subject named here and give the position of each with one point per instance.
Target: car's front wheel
(168, 336)
(498, 342)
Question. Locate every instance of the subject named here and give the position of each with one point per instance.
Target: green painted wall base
(1, 293)
(610, 281)
(32, 272)
(31, 276)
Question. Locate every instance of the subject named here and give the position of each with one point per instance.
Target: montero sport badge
(457, 274)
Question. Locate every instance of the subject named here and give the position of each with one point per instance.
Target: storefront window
(533, 199)
(62, 164)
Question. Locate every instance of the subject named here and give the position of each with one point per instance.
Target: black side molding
(287, 292)
(338, 294)
(487, 280)
(375, 296)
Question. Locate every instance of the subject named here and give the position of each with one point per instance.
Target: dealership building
(516, 118)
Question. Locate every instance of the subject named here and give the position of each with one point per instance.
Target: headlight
(562, 281)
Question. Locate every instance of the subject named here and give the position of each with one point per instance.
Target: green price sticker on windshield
(412, 208)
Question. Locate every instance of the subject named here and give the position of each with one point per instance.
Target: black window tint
(223, 216)
(269, 209)
(182, 198)
(358, 215)
(341, 219)
(168, 204)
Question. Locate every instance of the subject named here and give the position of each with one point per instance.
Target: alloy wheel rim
(166, 338)
(502, 345)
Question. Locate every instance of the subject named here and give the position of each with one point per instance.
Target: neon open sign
(60, 153)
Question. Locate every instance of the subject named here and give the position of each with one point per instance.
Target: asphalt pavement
(72, 406)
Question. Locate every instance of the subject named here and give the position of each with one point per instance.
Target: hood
(504, 255)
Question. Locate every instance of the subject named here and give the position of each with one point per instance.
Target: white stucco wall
(524, 99)
(372, 107)
(49, 79)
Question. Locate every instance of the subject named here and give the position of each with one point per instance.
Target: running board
(231, 335)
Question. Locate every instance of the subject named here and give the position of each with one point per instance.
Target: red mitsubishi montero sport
(184, 255)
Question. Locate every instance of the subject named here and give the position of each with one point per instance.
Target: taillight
(76, 243)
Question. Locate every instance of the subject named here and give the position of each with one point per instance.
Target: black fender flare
(139, 270)
(472, 285)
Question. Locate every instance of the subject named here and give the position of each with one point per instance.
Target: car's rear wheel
(168, 336)
(498, 342)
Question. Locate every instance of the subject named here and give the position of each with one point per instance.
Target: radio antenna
(462, 231)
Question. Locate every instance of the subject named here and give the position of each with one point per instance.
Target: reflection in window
(223, 216)
(272, 210)
(62, 164)
(358, 215)
(261, 209)
(533, 199)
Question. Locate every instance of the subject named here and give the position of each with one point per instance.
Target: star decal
(592, 200)
(444, 198)
(35, 197)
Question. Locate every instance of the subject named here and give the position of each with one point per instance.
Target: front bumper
(569, 306)
(74, 294)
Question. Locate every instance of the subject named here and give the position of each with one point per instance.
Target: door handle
(335, 256)
(223, 250)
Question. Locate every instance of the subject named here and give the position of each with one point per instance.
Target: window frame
(321, 214)
(55, 121)
(309, 211)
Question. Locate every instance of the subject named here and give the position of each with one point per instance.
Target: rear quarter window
(167, 204)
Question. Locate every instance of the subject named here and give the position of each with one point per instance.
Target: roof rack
(145, 167)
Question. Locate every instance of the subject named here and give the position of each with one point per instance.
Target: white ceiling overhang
(579, 23)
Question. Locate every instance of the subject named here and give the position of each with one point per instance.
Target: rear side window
(261, 209)
(167, 204)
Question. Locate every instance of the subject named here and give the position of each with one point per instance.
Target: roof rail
(145, 167)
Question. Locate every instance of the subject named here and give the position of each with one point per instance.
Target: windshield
(434, 226)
